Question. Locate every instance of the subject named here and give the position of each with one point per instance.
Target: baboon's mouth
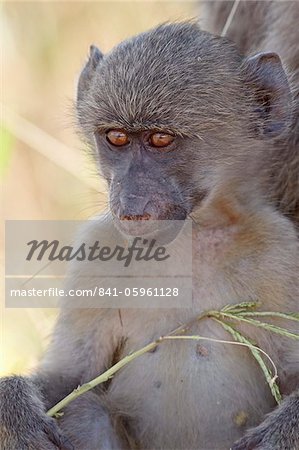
(162, 231)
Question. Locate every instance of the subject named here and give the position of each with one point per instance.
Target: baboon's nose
(135, 207)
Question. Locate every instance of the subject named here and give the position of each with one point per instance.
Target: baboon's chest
(190, 394)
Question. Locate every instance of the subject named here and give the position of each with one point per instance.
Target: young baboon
(179, 122)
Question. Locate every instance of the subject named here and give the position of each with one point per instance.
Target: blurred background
(45, 171)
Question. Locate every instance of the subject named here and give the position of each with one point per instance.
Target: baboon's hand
(279, 431)
(24, 424)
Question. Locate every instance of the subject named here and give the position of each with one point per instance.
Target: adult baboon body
(265, 26)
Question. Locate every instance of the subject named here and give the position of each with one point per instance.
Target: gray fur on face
(137, 85)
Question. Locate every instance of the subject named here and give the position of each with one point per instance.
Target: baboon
(180, 122)
(262, 26)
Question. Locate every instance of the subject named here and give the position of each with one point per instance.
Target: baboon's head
(168, 110)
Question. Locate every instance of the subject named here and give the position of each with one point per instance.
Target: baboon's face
(153, 112)
(169, 110)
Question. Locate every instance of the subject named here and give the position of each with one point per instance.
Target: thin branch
(271, 379)
(234, 312)
(267, 326)
(100, 379)
(230, 18)
(291, 316)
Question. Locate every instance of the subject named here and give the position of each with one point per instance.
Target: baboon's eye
(117, 137)
(161, 140)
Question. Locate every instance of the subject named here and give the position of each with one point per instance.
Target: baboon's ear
(272, 97)
(95, 56)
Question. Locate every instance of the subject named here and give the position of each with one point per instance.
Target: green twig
(291, 316)
(100, 379)
(239, 312)
(271, 379)
(257, 323)
(243, 306)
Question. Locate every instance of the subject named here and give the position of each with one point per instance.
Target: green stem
(292, 316)
(257, 323)
(256, 354)
(101, 378)
(236, 312)
(116, 367)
